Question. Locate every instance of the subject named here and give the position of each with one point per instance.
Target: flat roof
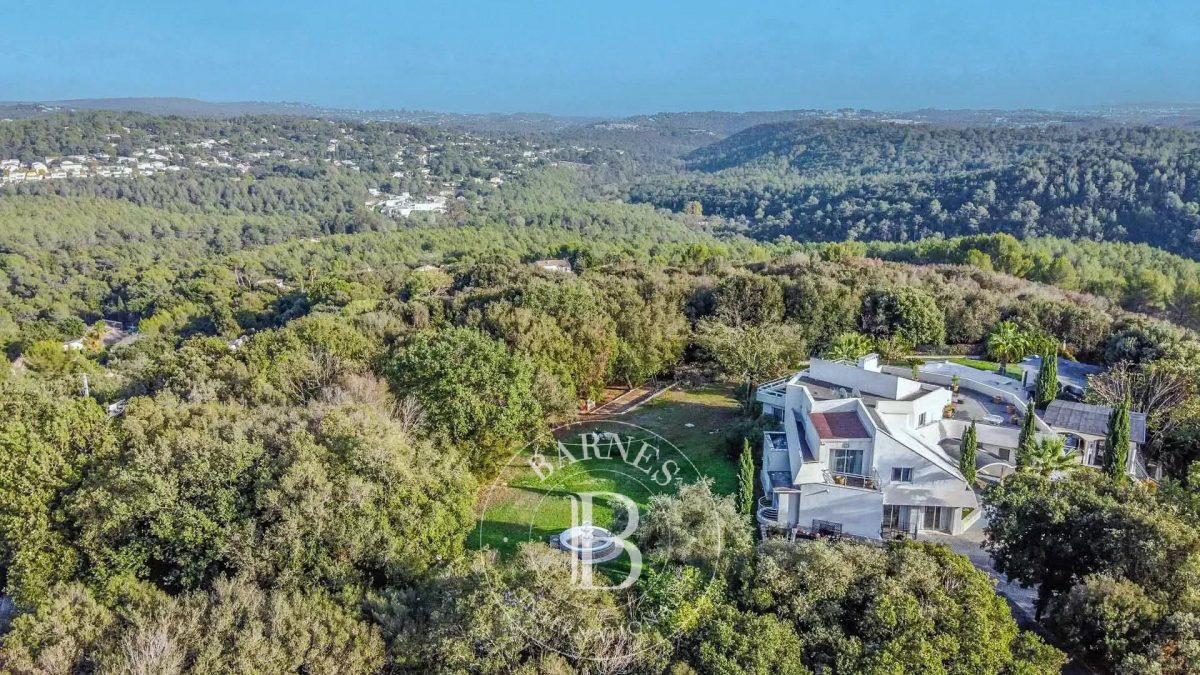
(838, 425)
(825, 391)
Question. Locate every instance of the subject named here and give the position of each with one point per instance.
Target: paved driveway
(1022, 601)
(970, 544)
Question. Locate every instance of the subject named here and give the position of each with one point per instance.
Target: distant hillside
(516, 123)
(828, 181)
(660, 135)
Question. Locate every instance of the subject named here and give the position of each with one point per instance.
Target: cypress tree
(966, 459)
(1117, 458)
(1046, 388)
(1027, 441)
(746, 479)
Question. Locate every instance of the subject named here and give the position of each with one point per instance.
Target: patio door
(937, 518)
(898, 517)
(846, 460)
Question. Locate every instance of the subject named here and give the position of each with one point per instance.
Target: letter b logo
(589, 544)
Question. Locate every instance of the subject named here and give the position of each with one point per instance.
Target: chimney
(869, 362)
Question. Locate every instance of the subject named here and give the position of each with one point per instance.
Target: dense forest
(828, 181)
(275, 463)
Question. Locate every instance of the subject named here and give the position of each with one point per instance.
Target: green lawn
(1011, 370)
(524, 507)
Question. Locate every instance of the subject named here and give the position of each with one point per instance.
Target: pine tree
(966, 459)
(1046, 388)
(1116, 460)
(746, 479)
(1027, 441)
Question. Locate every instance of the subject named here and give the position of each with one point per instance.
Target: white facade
(859, 455)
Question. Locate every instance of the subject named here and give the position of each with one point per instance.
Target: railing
(888, 532)
(1141, 473)
(771, 389)
(854, 480)
(775, 383)
(822, 530)
(768, 514)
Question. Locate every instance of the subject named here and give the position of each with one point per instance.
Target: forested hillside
(827, 181)
(248, 417)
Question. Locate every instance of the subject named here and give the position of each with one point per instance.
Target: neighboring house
(553, 265)
(858, 455)
(1084, 429)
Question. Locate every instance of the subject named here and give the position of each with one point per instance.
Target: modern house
(868, 452)
(858, 455)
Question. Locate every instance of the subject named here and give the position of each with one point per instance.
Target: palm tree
(1049, 456)
(893, 349)
(848, 347)
(1007, 343)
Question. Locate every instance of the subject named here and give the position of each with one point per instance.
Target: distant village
(400, 198)
(205, 154)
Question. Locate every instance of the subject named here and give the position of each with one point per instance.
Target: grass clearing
(521, 506)
(1011, 370)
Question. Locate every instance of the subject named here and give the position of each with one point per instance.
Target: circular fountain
(591, 543)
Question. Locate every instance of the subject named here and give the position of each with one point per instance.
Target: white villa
(864, 450)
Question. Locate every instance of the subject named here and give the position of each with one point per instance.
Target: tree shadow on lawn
(505, 535)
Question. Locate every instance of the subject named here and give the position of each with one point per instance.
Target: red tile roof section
(838, 425)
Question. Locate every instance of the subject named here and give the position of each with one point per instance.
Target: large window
(848, 460)
(937, 518)
(895, 516)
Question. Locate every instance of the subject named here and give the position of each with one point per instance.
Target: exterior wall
(931, 404)
(989, 434)
(979, 388)
(869, 381)
(863, 444)
(859, 511)
(890, 453)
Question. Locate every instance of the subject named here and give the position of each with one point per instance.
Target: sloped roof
(1091, 419)
(838, 425)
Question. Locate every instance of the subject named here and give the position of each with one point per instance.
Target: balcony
(773, 392)
(853, 480)
(768, 514)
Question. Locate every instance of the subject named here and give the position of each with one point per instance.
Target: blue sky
(609, 57)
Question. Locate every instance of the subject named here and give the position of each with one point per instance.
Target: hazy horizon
(335, 106)
(625, 59)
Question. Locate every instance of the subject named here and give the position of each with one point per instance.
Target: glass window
(902, 474)
(923, 419)
(847, 460)
(897, 517)
(891, 516)
(937, 518)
